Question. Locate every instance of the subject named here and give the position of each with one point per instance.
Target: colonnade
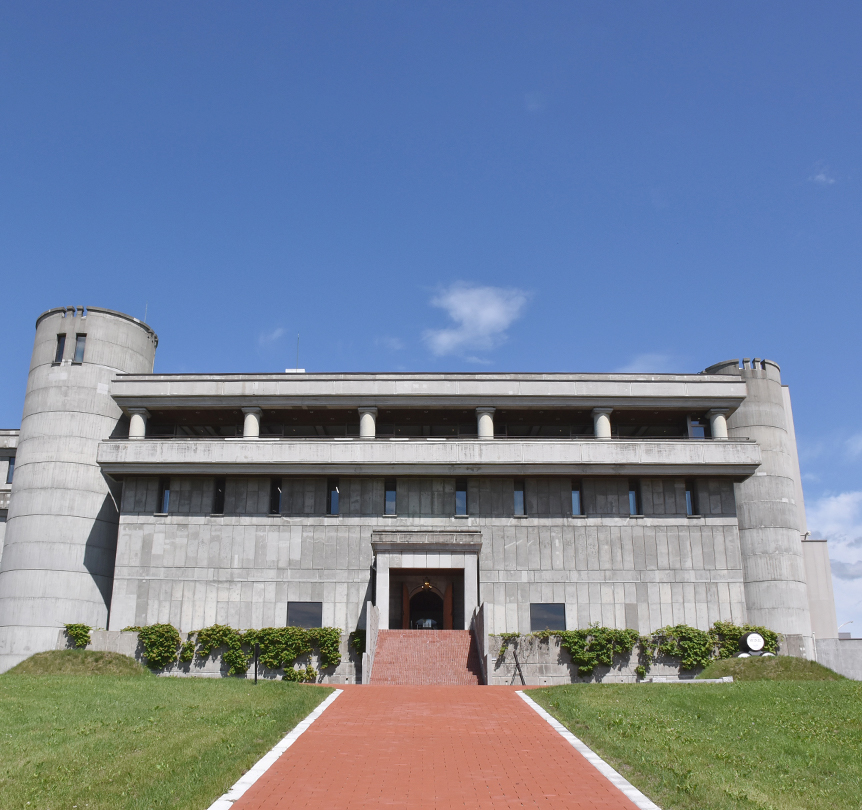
(368, 423)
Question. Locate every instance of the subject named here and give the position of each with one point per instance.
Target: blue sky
(638, 186)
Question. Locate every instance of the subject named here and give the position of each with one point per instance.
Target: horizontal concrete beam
(509, 457)
(666, 391)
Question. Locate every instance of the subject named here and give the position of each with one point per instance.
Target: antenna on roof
(146, 304)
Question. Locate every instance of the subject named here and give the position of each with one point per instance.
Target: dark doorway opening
(426, 611)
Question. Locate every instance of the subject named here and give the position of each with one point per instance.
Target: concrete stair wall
(426, 658)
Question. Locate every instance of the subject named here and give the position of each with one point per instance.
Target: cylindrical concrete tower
(61, 531)
(776, 594)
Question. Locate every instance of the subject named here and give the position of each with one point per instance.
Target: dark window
(332, 497)
(635, 507)
(690, 498)
(61, 347)
(519, 498)
(304, 614)
(460, 496)
(164, 503)
(275, 496)
(390, 497)
(698, 428)
(11, 471)
(547, 616)
(218, 496)
(80, 341)
(577, 499)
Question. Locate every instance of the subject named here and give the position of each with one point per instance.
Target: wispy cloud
(649, 363)
(822, 176)
(265, 338)
(838, 518)
(392, 344)
(482, 315)
(853, 446)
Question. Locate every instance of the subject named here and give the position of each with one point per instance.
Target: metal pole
(256, 656)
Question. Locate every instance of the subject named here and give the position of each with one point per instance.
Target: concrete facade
(629, 500)
(8, 449)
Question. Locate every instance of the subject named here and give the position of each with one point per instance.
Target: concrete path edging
(225, 802)
(619, 781)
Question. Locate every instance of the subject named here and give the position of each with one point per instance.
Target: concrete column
(138, 423)
(718, 423)
(485, 422)
(382, 590)
(367, 423)
(471, 587)
(251, 423)
(602, 422)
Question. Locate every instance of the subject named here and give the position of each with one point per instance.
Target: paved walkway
(431, 747)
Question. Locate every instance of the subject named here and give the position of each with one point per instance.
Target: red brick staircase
(426, 658)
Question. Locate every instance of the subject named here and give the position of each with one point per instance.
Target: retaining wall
(127, 643)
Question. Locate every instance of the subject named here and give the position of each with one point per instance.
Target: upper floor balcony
(430, 456)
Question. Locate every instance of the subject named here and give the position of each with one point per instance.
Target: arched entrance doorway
(426, 611)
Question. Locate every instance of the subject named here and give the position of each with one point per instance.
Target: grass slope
(768, 745)
(79, 662)
(129, 743)
(779, 668)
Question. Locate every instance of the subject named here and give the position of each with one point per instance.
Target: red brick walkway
(431, 747)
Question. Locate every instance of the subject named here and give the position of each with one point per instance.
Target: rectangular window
(697, 428)
(11, 471)
(61, 347)
(275, 496)
(304, 614)
(577, 499)
(460, 496)
(390, 497)
(332, 496)
(163, 505)
(519, 498)
(218, 496)
(635, 507)
(547, 616)
(690, 498)
(80, 340)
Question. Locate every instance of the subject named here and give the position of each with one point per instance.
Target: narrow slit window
(460, 496)
(635, 507)
(690, 498)
(520, 507)
(390, 497)
(577, 498)
(332, 494)
(218, 496)
(61, 347)
(11, 470)
(275, 496)
(164, 503)
(80, 342)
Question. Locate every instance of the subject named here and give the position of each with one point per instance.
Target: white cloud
(853, 446)
(265, 338)
(838, 518)
(822, 175)
(482, 315)
(392, 344)
(648, 363)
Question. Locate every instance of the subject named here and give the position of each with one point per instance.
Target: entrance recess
(444, 565)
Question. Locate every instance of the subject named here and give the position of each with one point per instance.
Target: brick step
(426, 658)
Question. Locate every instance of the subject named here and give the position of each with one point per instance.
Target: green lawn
(766, 744)
(117, 742)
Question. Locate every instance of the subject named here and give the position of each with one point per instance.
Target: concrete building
(399, 500)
